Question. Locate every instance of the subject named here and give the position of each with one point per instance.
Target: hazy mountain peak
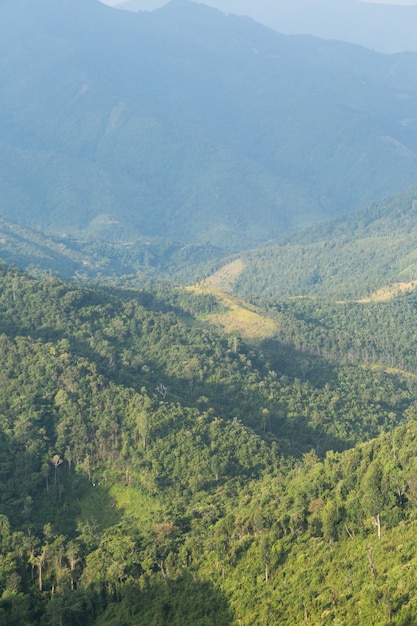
(383, 26)
(192, 125)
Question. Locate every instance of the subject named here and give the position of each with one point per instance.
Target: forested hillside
(171, 455)
(367, 254)
(370, 253)
(191, 125)
(155, 470)
(85, 258)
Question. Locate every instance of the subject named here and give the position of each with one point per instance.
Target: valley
(154, 447)
(208, 313)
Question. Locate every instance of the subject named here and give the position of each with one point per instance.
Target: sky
(398, 2)
(156, 3)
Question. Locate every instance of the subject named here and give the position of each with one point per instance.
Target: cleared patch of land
(237, 316)
(225, 278)
(391, 291)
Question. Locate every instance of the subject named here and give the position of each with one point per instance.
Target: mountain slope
(350, 257)
(85, 258)
(387, 28)
(157, 471)
(191, 125)
(378, 26)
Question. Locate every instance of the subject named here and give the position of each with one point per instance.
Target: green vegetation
(374, 333)
(90, 258)
(348, 258)
(176, 456)
(158, 470)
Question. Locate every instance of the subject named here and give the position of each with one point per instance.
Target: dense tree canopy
(154, 470)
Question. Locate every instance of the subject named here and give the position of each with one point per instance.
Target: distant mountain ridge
(191, 125)
(384, 27)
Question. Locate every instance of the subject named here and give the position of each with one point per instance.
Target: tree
(56, 462)
(375, 495)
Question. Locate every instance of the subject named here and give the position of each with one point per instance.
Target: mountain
(81, 259)
(384, 27)
(370, 253)
(190, 125)
(156, 469)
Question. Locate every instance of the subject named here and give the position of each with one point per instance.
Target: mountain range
(191, 125)
(170, 454)
(384, 27)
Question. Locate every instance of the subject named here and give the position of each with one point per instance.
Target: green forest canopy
(156, 471)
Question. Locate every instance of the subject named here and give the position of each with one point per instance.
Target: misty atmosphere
(208, 279)
(388, 26)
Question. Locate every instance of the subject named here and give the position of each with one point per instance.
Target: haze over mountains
(170, 454)
(191, 125)
(387, 27)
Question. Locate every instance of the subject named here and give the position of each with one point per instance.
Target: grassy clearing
(98, 507)
(237, 316)
(106, 506)
(391, 370)
(390, 292)
(226, 277)
(135, 503)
